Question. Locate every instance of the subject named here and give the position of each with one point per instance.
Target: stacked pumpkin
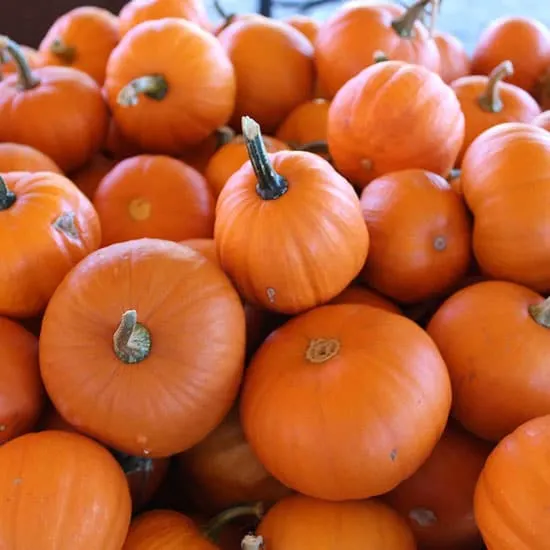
(325, 335)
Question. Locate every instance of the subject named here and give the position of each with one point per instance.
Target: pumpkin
(357, 294)
(58, 110)
(308, 26)
(438, 500)
(274, 68)
(541, 91)
(542, 120)
(49, 226)
(487, 101)
(61, 490)
(315, 215)
(510, 226)
(198, 156)
(299, 522)
(394, 116)
(165, 106)
(21, 392)
(360, 30)
(33, 58)
(513, 493)
(117, 145)
(369, 384)
(82, 38)
(206, 247)
(455, 62)
(88, 178)
(154, 196)
(15, 157)
(133, 312)
(522, 40)
(230, 157)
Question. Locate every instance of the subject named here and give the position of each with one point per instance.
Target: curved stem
(7, 197)
(270, 184)
(214, 527)
(252, 542)
(541, 313)
(131, 340)
(66, 53)
(490, 100)
(27, 80)
(404, 25)
(153, 86)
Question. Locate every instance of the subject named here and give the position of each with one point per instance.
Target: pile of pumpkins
(274, 284)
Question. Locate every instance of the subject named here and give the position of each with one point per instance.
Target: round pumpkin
(49, 226)
(58, 110)
(455, 62)
(154, 196)
(308, 26)
(394, 116)
(369, 384)
(82, 38)
(321, 239)
(120, 354)
(357, 294)
(164, 106)
(88, 178)
(60, 490)
(206, 247)
(542, 120)
(15, 157)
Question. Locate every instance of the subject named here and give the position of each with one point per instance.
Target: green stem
(270, 185)
(65, 53)
(131, 340)
(490, 100)
(404, 25)
(7, 197)
(27, 80)
(541, 313)
(153, 86)
(215, 526)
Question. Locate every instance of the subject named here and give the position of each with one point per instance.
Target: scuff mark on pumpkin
(271, 294)
(18, 481)
(393, 455)
(3, 427)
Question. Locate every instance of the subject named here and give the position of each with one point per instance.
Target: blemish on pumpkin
(322, 349)
(440, 243)
(140, 209)
(393, 455)
(3, 427)
(423, 517)
(66, 224)
(366, 164)
(18, 481)
(271, 294)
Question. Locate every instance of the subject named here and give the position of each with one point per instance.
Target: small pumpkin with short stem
(166, 106)
(455, 62)
(299, 197)
(57, 110)
(357, 294)
(542, 120)
(88, 178)
(16, 157)
(308, 26)
(49, 226)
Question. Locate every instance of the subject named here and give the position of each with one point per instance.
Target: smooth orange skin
(65, 116)
(202, 86)
(299, 522)
(15, 157)
(274, 68)
(180, 202)
(455, 62)
(496, 355)
(393, 401)
(206, 247)
(306, 123)
(318, 218)
(230, 157)
(361, 31)
(38, 255)
(356, 294)
(21, 391)
(202, 374)
(92, 31)
(444, 486)
(308, 26)
(59, 491)
(375, 117)
(33, 57)
(518, 106)
(510, 225)
(512, 496)
(522, 40)
(542, 120)
(88, 178)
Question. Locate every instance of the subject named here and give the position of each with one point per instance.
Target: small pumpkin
(308, 26)
(82, 38)
(455, 62)
(165, 106)
(154, 196)
(61, 490)
(58, 110)
(542, 120)
(198, 156)
(88, 178)
(394, 116)
(15, 157)
(49, 226)
(206, 247)
(357, 294)
(315, 214)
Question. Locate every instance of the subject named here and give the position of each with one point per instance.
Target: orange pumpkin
(542, 120)
(487, 101)
(356, 294)
(82, 38)
(206, 247)
(33, 58)
(368, 117)
(299, 197)
(198, 156)
(354, 377)
(542, 89)
(308, 26)
(455, 62)
(230, 18)
(49, 226)
(361, 30)
(154, 196)
(15, 157)
(58, 110)
(61, 490)
(52, 420)
(88, 178)
(274, 69)
(161, 295)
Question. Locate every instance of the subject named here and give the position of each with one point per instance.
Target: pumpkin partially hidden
(15, 157)
(357, 294)
(455, 62)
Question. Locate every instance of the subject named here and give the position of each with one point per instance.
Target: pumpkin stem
(252, 542)
(404, 25)
(379, 56)
(66, 224)
(131, 340)
(270, 184)
(215, 526)
(434, 13)
(541, 313)
(7, 197)
(453, 174)
(490, 100)
(224, 135)
(65, 53)
(27, 80)
(321, 350)
(153, 86)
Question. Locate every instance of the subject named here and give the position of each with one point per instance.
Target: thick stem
(65, 53)
(404, 25)
(27, 80)
(541, 313)
(490, 100)
(131, 340)
(153, 86)
(7, 197)
(252, 542)
(215, 526)
(270, 185)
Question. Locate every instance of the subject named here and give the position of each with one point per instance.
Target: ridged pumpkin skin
(177, 295)
(406, 106)
(377, 405)
(61, 491)
(357, 294)
(455, 62)
(542, 120)
(15, 157)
